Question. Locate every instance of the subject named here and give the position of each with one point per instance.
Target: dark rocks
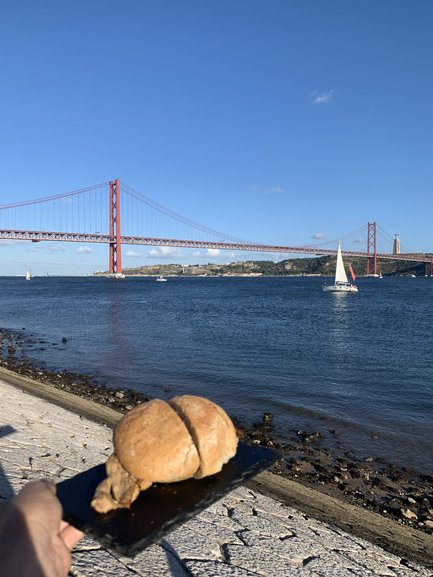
(310, 437)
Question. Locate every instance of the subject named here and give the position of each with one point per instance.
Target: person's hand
(34, 541)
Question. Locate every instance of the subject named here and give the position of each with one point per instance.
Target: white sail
(340, 273)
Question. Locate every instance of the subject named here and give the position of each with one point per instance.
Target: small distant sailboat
(341, 283)
(161, 279)
(28, 275)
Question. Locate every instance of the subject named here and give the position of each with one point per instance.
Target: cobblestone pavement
(245, 534)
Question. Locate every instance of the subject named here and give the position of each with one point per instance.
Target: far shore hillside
(319, 266)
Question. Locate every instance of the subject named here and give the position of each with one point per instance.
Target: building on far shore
(396, 245)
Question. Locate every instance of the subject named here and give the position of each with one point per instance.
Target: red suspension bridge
(93, 215)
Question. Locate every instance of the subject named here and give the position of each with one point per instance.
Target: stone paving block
(337, 571)
(246, 507)
(214, 531)
(294, 524)
(243, 494)
(87, 544)
(264, 504)
(262, 562)
(380, 562)
(333, 540)
(328, 563)
(218, 569)
(334, 537)
(295, 549)
(188, 544)
(412, 571)
(154, 561)
(219, 520)
(220, 507)
(97, 563)
(262, 525)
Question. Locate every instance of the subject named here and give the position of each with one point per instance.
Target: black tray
(158, 509)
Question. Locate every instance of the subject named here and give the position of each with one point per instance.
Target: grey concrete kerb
(246, 534)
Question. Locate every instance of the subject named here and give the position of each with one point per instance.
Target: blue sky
(274, 121)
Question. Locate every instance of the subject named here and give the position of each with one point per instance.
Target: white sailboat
(28, 275)
(341, 283)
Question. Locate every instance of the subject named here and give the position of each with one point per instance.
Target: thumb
(38, 500)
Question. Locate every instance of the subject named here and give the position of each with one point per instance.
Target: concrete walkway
(246, 534)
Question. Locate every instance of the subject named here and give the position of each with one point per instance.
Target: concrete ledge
(89, 409)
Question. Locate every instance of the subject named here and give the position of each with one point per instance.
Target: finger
(63, 524)
(43, 489)
(50, 484)
(37, 500)
(70, 536)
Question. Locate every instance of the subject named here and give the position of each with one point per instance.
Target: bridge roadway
(39, 236)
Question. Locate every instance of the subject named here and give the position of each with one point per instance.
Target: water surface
(359, 364)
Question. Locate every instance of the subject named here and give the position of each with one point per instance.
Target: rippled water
(357, 363)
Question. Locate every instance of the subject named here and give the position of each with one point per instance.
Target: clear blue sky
(271, 120)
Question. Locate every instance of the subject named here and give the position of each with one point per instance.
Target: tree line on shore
(317, 266)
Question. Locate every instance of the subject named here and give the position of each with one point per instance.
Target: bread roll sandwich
(165, 442)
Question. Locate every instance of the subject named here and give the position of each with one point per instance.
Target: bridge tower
(115, 264)
(371, 248)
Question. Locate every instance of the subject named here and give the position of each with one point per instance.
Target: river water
(358, 364)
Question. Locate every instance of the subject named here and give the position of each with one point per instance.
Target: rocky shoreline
(399, 493)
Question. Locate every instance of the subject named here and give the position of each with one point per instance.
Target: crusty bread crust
(211, 429)
(153, 444)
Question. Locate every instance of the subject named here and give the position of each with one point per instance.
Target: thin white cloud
(5, 241)
(132, 253)
(214, 253)
(53, 248)
(266, 189)
(323, 97)
(83, 250)
(164, 252)
(360, 240)
(274, 190)
(318, 236)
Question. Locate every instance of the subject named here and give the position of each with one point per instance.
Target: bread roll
(153, 444)
(211, 429)
(159, 442)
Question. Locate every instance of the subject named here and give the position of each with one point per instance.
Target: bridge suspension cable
(178, 217)
(53, 197)
(333, 242)
(384, 234)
